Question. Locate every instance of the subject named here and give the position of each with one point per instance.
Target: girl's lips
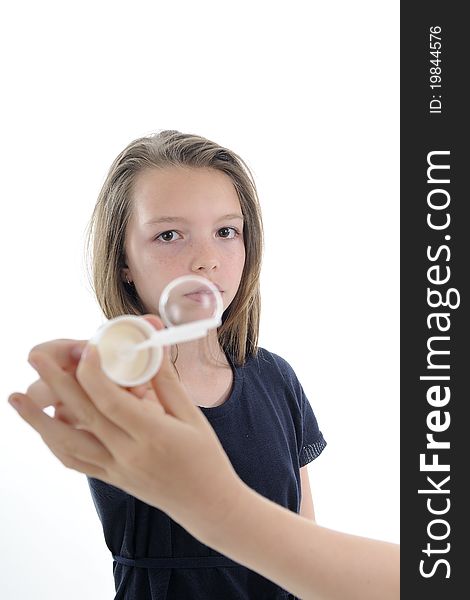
(203, 295)
(203, 290)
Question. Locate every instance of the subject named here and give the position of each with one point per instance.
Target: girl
(175, 204)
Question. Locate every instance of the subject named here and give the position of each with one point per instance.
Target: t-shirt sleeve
(310, 440)
(313, 441)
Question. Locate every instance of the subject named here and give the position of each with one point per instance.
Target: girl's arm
(306, 503)
(141, 446)
(310, 561)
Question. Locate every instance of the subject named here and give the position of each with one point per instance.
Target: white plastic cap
(113, 340)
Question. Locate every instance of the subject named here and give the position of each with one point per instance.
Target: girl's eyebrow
(183, 220)
(166, 220)
(231, 216)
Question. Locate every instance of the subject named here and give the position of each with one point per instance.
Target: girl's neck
(204, 370)
(199, 356)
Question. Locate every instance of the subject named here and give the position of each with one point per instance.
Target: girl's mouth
(202, 296)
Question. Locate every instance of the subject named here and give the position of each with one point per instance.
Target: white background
(307, 93)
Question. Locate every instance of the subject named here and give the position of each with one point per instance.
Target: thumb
(171, 392)
(168, 388)
(154, 320)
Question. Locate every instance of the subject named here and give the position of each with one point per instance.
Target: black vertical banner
(435, 256)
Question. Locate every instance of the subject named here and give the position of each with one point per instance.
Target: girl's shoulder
(264, 356)
(269, 364)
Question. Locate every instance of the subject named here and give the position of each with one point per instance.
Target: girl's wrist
(215, 521)
(225, 522)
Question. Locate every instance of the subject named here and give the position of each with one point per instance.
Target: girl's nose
(204, 265)
(204, 259)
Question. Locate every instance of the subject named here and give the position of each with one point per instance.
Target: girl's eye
(168, 236)
(227, 232)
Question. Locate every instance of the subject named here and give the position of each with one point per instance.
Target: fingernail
(87, 352)
(15, 401)
(76, 352)
(33, 362)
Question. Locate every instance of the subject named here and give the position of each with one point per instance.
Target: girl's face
(184, 221)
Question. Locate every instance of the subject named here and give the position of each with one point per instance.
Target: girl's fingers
(151, 396)
(65, 353)
(139, 390)
(118, 405)
(171, 393)
(42, 395)
(76, 449)
(82, 467)
(158, 324)
(168, 388)
(84, 414)
(155, 321)
(145, 392)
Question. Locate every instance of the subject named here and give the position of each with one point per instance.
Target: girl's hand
(66, 354)
(158, 447)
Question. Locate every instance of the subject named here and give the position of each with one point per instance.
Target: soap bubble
(188, 299)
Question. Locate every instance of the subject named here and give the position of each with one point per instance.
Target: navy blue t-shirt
(268, 430)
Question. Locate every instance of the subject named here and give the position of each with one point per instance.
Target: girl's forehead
(181, 190)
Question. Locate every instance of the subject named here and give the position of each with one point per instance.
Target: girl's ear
(126, 275)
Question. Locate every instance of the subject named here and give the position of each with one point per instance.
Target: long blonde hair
(238, 334)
